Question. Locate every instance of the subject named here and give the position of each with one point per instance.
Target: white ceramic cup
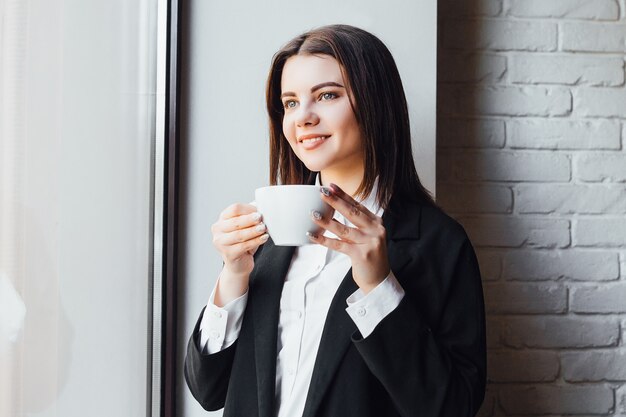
(286, 211)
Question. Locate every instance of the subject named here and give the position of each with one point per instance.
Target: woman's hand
(237, 235)
(365, 244)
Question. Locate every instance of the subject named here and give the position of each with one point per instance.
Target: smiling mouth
(313, 140)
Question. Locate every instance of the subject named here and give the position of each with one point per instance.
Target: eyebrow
(314, 88)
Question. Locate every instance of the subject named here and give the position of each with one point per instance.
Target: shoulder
(431, 222)
(436, 223)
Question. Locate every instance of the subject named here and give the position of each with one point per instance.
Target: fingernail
(260, 227)
(325, 191)
(265, 237)
(316, 215)
(311, 235)
(256, 216)
(334, 188)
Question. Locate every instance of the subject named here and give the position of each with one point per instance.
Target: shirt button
(217, 314)
(290, 372)
(361, 311)
(214, 334)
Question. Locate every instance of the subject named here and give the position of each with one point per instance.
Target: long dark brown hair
(379, 105)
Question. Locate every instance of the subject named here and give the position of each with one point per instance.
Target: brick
(600, 102)
(560, 332)
(563, 134)
(512, 166)
(597, 167)
(446, 162)
(557, 400)
(571, 199)
(566, 69)
(470, 8)
(516, 232)
(576, 265)
(468, 198)
(507, 101)
(593, 37)
(609, 365)
(570, 9)
(522, 366)
(471, 67)
(600, 232)
(515, 298)
(494, 330)
(470, 133)
(607, 298)
(500, 34)
(620, 395)
(490, 264)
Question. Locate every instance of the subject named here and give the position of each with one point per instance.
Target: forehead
(305, 71)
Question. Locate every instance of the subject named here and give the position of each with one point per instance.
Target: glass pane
(77, 95)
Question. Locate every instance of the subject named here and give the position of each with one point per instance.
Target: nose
(306, 115)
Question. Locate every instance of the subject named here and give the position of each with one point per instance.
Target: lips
(309, 142)
(312, 137)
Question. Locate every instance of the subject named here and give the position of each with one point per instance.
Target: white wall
(76, 119)
(533, 164)
(227, 51)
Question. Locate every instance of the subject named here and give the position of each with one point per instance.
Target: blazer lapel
(267, 284)
(339, 327)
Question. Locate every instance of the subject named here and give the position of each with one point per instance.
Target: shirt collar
(369, 202)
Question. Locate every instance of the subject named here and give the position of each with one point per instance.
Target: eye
(328, 96)
(289, 104)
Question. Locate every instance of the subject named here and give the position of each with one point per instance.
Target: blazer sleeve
(434, 364)
(207, 375)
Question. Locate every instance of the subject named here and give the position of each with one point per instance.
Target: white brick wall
(532, 161)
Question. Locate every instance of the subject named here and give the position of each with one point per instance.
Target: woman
(383, 314)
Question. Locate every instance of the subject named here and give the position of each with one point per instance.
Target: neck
(348, 181)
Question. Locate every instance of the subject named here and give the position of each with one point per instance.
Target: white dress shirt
(314, 276)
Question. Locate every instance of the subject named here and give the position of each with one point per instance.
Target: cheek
(349, 125)
(288, 130)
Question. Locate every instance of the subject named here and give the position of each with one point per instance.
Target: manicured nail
(260, 227)
(311, 235)
(316, 215)
(265, 237)
(325, 191)
(256, 216)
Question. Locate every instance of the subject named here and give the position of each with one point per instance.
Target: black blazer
(426, 358)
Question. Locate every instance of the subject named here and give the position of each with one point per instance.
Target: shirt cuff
(367, 310)
(220, 326)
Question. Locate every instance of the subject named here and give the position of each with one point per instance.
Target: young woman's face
(319, 122)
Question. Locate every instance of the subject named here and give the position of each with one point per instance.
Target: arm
(367, 310)
(209, 358)
(220, 326)
(207, 376)
(437, 368)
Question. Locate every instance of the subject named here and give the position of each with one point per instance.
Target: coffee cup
(286, 211)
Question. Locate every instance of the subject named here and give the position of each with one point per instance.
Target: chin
(314, 165)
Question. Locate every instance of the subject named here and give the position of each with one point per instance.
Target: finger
(236, 250)
(352, 210)
(241, 236)
(237, 209)
(334, 244)
(237, 223)
(350, 234)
